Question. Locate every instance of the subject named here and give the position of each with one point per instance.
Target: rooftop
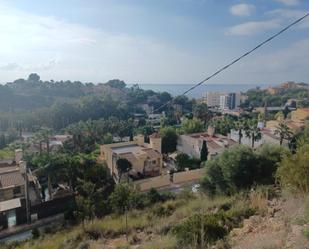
(12, 178)
(130, 148)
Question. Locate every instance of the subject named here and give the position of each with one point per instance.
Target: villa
(146, 158)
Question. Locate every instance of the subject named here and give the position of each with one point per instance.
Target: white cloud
(289, 2)
(291, 15)
(242, 9)
(252, 28)
(288, 63)
(272, 65)
(10, 67)
(58, 49)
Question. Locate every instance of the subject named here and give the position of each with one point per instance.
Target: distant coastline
(177, 89)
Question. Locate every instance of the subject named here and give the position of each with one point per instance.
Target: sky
(153, 41)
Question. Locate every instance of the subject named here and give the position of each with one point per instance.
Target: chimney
(211, 131)
(18, 155)
(139, 139)
(155, 141)
(22, 167)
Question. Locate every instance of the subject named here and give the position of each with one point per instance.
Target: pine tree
(204, 152)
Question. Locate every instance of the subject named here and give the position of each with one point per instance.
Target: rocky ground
(282, 227)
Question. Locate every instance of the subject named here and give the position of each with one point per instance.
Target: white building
(191, 144)
(267, 137)
(212, 99)
(222, 100)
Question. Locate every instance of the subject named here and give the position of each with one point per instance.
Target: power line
(238, 59)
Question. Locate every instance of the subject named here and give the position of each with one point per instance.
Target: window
(154, 161)
(17, 190)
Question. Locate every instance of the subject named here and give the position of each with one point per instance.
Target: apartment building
(222, 100)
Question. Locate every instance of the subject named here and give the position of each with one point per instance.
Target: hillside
(31, 103)
(259, 219)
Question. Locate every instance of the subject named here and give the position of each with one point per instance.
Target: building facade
(222, 100)
(145, 158)
(18, 188)
(191, 144)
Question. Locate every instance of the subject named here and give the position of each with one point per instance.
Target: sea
(178, 89)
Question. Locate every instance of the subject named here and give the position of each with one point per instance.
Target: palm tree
(76, 130)
(239, 126)
(252, 131)
(42, 136)
(284, 132)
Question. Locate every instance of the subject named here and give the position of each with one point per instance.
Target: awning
(10, 204)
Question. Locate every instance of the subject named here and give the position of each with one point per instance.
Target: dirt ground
(282, 227)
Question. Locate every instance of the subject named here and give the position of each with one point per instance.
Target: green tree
(43, 136)
(269, 156)
(204, 152)
(182, 161)
(169, 139)
(201, 112)
(122, 198)
(293, 169)
(239, 126)
(123, 167)
(234, 169)
(284, 132)
(34, 77)
(252, 131)
(192, 126)
(116, 83)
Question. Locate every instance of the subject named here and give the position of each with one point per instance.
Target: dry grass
(64, 239)
(114, 227)
(259, 199)
(163, 242)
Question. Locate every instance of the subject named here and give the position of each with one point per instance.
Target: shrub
(35, 233)
(259, 199)
(169, 139)
(153, 196)
(200, 229)
(84, 245)
(162, 211)
(184, 161)
(240, 167)
(233, 217)
(123, 196)
(293, 170)
(306, 233)
(269, 157)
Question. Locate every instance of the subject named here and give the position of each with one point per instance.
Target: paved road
(177, 188)
(23, 232)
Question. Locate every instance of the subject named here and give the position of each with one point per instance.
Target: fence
(52, 207)
(187, 176)
(153, 182)
(168, 181)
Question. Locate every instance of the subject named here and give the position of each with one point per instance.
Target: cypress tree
(204, 152)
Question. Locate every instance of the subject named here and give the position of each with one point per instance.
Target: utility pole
(126, 214)
(23, 169)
